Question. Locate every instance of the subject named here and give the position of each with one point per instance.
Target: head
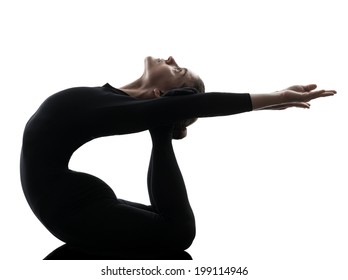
(164, 75)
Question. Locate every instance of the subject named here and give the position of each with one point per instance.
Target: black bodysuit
(81, 209)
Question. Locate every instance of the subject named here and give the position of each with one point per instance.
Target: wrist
(264, 100)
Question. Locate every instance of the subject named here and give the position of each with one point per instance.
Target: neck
(138, 89)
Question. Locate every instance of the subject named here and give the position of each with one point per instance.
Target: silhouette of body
(81, 209)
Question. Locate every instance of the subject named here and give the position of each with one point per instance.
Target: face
(165, 74)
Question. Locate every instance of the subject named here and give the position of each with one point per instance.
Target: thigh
(68, 195)
(74, 191)
(88, 214)
(82, 209)
(112, 224)
(137, 205)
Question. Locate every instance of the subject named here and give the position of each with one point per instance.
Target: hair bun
(179, 133)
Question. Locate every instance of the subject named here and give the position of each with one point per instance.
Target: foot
(162, 133)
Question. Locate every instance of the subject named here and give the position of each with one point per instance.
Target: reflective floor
(67, 252)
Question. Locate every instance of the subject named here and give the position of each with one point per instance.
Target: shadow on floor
(67, 252)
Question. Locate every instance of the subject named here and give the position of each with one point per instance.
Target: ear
(157, 92)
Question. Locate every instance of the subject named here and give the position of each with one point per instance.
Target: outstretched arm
(294, 96)
(114, 116)
(134, 115)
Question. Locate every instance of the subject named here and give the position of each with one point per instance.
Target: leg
(136, 205)
(166, 185)
(104, 222)
(169, 221)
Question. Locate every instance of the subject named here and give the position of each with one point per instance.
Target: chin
(149, 61)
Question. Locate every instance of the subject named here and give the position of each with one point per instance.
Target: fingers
(329, 92)
(319, 93)
(309, 87)
(304, 105)
(303, 88)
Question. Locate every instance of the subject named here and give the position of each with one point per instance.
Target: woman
(81, 209)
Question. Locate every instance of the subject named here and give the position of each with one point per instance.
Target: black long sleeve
(133, 115)
(72, 117)
(138, 115)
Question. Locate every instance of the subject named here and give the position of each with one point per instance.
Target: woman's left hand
(299, 96)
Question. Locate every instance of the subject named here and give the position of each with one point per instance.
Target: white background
(268, 188)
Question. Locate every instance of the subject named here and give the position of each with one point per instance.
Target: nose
(171, 61)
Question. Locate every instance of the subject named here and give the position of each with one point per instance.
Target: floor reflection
(67, 252)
